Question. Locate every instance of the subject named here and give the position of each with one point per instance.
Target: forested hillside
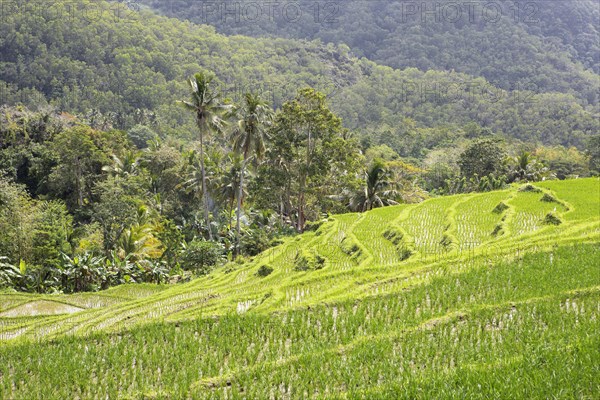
(119, 68)
(542, 46)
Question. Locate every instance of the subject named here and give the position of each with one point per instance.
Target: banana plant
(154, 271)
(83, 273)
(9, 273)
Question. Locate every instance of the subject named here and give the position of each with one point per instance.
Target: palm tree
(209, 110)
(127, 165)
(377, 192)
(249, 140)
(527, 168)
(193, 175)
(229, 183)
(138, 241)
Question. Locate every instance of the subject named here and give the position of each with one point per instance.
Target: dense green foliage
(347, 254)
(201, 256)
(539, 45)
(129, 69)
(139, 207)
(72, 194)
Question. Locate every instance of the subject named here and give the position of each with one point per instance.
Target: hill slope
(355, 255)
(547, 46)
(118, 64)
(470, 303)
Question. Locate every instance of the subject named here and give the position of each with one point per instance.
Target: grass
(468, 314)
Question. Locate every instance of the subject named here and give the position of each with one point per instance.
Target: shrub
(397, 238)
(255, 241)
(240, 260)
(9, 273)
(529, 188)
(500, 208)
(264, 270)
(88, 272)
(404, 252)
(446, 240)
(201, 256)
(552, 219)
(183, 277)
(301, 262)
(305, 261)
(393, 235)
(497, 230)
(319, 261)
(313, 225)
(349, 247)
(547, 198)
(154, 271)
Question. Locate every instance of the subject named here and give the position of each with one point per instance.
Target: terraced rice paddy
(451, 298)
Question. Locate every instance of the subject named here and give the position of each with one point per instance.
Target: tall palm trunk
(204, 191)
(249, 140)
(301, 201)
(239, 205)
(303, 178)
(230, 211)
(79, 181)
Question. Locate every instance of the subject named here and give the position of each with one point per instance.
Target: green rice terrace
(487, 295)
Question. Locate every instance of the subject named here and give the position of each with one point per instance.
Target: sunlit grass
(537, 308)
(465, 306)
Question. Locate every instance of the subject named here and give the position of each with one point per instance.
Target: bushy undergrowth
(202, 256)
(307, 260)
